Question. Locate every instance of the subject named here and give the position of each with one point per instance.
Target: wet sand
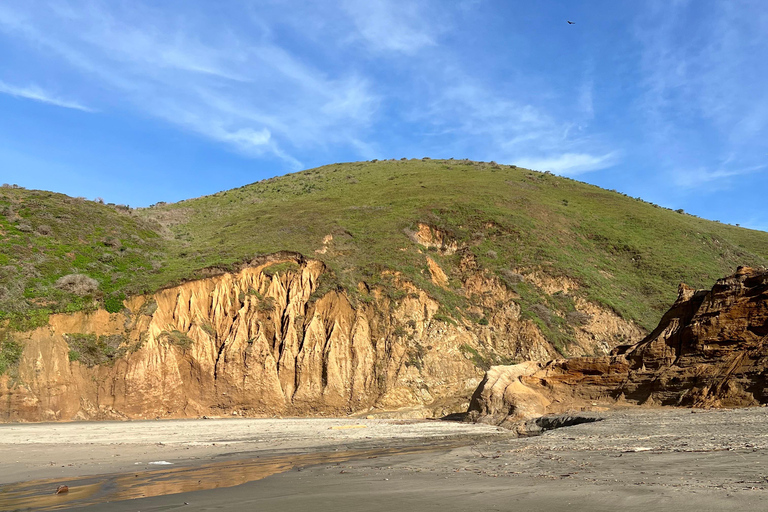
(35, 451)
(112, 461)
(632, 460)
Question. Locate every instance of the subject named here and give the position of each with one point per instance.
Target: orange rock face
(269, 343)
(709, 350)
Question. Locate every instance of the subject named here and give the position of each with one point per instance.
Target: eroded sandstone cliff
(260, 342)
(709, 350)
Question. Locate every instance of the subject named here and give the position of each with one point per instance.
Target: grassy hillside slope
(625, 253)
(44, 236)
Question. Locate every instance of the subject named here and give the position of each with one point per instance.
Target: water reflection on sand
(40, 494)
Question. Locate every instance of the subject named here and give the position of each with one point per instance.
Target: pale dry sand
(673, 459)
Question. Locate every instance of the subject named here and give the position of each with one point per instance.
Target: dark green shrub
(29, 320)
(479, 361)
(114, 304)
(485, 361)
(543, 313)
(399, 331)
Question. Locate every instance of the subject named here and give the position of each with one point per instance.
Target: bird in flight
(571, 22)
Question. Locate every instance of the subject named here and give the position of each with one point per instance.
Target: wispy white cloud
(704, 68)
(391, 25)
(33, 92)
(586, 100)
(498, 127)
(231, 85)
(160, 47)
(693, 178)
(247, 137)
(570, 164)
(475, 110)
(239, 84)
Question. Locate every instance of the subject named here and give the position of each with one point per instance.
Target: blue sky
(140, 101)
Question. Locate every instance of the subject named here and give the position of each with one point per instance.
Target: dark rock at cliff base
(552, 421)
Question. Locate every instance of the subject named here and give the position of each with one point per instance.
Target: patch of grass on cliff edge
(626, 254)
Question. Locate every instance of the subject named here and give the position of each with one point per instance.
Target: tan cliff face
(253, 344)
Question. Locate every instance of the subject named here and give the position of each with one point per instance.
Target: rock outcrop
(271, 342)
(709, 350)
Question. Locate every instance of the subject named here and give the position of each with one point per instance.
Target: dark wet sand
(633, 460)
(394, 483)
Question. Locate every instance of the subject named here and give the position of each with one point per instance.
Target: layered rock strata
(267, 342)
(709, 350)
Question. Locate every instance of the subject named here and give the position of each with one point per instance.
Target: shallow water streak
(39, 494)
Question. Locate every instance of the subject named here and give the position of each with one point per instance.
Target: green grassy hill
(625, 253)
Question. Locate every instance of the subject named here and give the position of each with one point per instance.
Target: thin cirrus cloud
(704, 69)
(391, 26)
(468, 108)
(240, 90)
(642, 97)
(35, 93)
(238, 86)
(498, 128)
(570, 164)
(699, 178)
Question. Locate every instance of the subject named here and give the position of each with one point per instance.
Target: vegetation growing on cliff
(485, 361)
(10, 352)
(177, 338)
(624, 253)
(92, 350)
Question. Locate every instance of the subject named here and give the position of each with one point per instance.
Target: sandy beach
(631, 460)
